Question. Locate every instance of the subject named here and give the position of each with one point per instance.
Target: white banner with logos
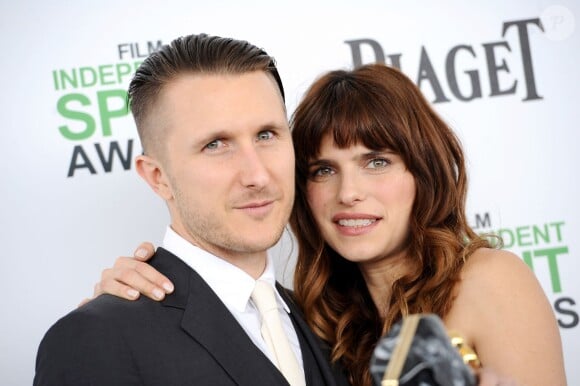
(503, 74)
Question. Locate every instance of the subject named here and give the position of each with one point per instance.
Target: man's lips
(256, 209)
(254, 205)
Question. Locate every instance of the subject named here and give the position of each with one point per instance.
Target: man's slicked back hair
(193, 54)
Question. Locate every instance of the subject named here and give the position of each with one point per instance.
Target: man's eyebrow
(209, 137)
(273, 126)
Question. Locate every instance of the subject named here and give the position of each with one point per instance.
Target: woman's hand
(131, 276)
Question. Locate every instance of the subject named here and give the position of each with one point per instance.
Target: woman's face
(361, 200)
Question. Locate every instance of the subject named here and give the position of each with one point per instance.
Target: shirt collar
(231, 284)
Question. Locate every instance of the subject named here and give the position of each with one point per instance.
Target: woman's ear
(152, 172)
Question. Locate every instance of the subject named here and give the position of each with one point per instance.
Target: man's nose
(254, 173)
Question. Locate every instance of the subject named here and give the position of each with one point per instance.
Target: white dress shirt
(233, 287)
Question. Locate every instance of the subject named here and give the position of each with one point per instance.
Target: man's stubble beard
(214, 236)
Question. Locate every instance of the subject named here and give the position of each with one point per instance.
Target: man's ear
(152, 172)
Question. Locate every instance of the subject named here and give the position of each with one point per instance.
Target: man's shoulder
(108, 313)
(100, 314)
(109, 306)
(95, 343)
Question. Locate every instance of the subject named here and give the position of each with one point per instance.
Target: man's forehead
(220, 102)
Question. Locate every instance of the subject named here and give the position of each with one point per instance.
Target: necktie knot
(264, 297)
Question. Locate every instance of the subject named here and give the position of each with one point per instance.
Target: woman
(380, 221)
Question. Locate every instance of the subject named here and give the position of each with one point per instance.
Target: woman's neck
(379, 277)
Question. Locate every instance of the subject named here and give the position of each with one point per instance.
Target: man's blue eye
(265, 135)
(213, 144)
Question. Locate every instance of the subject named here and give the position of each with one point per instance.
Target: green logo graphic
(92, 100)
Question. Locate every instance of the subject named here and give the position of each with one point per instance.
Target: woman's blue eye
(378, 163)
(321, 172)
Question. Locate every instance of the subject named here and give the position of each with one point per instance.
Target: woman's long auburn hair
(380, 108)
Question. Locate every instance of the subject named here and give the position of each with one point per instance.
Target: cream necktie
(274, 335)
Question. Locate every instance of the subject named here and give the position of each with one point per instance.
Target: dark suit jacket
(190, 338)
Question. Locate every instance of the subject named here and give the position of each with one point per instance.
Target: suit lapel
(207, 320)
(332, 375)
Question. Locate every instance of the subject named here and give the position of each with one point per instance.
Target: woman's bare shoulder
(497, 260)
(492, 281)
(505, 315)
(492, 277)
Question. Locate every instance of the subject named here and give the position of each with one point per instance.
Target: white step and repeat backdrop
(505, 75)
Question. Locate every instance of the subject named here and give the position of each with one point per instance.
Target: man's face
(228, 162)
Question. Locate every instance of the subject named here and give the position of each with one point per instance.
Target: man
(217, 148)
